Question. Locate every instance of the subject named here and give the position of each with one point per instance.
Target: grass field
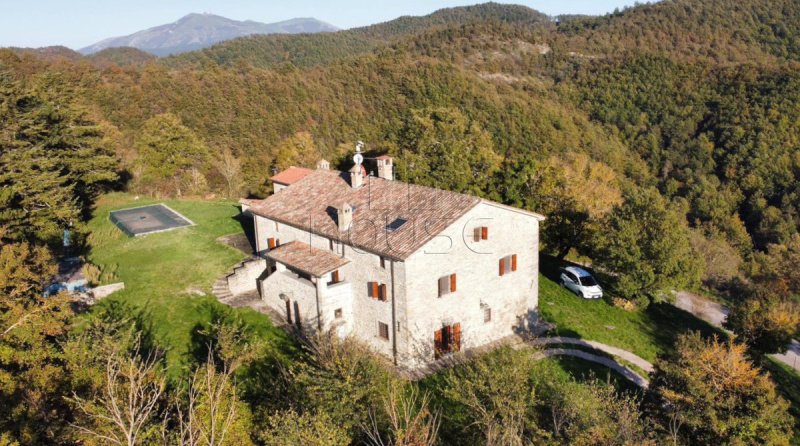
(645, 333)
(165, 274)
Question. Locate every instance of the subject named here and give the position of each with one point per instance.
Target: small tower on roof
(385, 167)
(357, 171)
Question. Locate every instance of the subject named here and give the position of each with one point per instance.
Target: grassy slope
(160, 270)
(646, 333)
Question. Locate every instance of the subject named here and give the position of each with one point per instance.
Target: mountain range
(197, 31)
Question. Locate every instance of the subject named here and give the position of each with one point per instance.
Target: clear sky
(79, 23)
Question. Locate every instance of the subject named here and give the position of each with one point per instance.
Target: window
(337, 313)
(508, 264)
(487, 315)
(335, 278)
(376, 291)
(383, 330)
(447, 285)
(447, 340)
(396, 224)
(481, 233)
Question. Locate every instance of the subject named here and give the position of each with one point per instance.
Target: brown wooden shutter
(484, 233)
(374, 287)
(277, 242)
(336, 276)
(514, 262)
(452, 283)
(271, 243)
(502, 266)
(477, 234)
(382, 292)
(437, 343)
(456, 346)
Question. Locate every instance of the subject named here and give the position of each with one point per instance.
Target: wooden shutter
(373, 286)
(443, 286)
(456, 342)
(335, 276)
(452, 283)
(271, 243)
(477, 234)
(277, 242)
(514, 262)
(382, 292)
(502, 266)
(484, 233)
(437, 343)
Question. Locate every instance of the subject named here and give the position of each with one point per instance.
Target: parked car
(581, 283)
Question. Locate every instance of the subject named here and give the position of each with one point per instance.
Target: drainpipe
(394, 317)
(319, 311)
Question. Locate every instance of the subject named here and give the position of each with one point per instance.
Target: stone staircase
(221, 290)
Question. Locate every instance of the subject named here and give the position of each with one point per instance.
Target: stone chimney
(385, 168)
(344, 217)
(323, 165)
(356, 176)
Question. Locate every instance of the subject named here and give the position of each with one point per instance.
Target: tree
(645, 246)
(496, 394)
(411, 421)
(296, 150)
(340, 367)
(230, 168)
(210, 413)
(764, 321)
(441, 147)
(32, 326)
(125, 411)
(777, 268)
(53, 161)
(168, 153)
(311, 429)
(718, 396)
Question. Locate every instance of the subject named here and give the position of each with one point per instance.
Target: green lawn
(645, 333)
(165, 273)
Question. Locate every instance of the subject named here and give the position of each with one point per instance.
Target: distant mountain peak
(200, 30)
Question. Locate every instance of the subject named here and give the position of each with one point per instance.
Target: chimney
(323, 165)
(356, 176)
(385, 168)
(344, 217)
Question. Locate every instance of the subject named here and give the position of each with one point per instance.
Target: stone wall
(510, 297)
(244, 277)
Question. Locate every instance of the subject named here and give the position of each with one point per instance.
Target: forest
(662, 142)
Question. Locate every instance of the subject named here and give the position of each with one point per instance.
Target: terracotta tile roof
(307, 259)
(311, 202)
(291, 175)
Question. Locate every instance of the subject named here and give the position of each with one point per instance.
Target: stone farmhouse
(415, 272)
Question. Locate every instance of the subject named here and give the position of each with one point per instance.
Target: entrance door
(447, 340)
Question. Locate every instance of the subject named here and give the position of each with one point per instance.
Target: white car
(581, 283)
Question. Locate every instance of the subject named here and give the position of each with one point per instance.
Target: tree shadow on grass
(667, 322)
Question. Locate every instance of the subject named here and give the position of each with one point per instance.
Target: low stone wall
(103, 291)
(244, 277)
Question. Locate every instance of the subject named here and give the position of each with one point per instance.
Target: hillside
(311, 49)
(196, 31)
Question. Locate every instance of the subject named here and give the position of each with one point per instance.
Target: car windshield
(588, 281)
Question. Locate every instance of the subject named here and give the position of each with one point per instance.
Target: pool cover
(148, 219)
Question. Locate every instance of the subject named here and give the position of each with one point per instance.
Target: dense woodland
(662, 141)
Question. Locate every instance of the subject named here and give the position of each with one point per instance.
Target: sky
(79, 23)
